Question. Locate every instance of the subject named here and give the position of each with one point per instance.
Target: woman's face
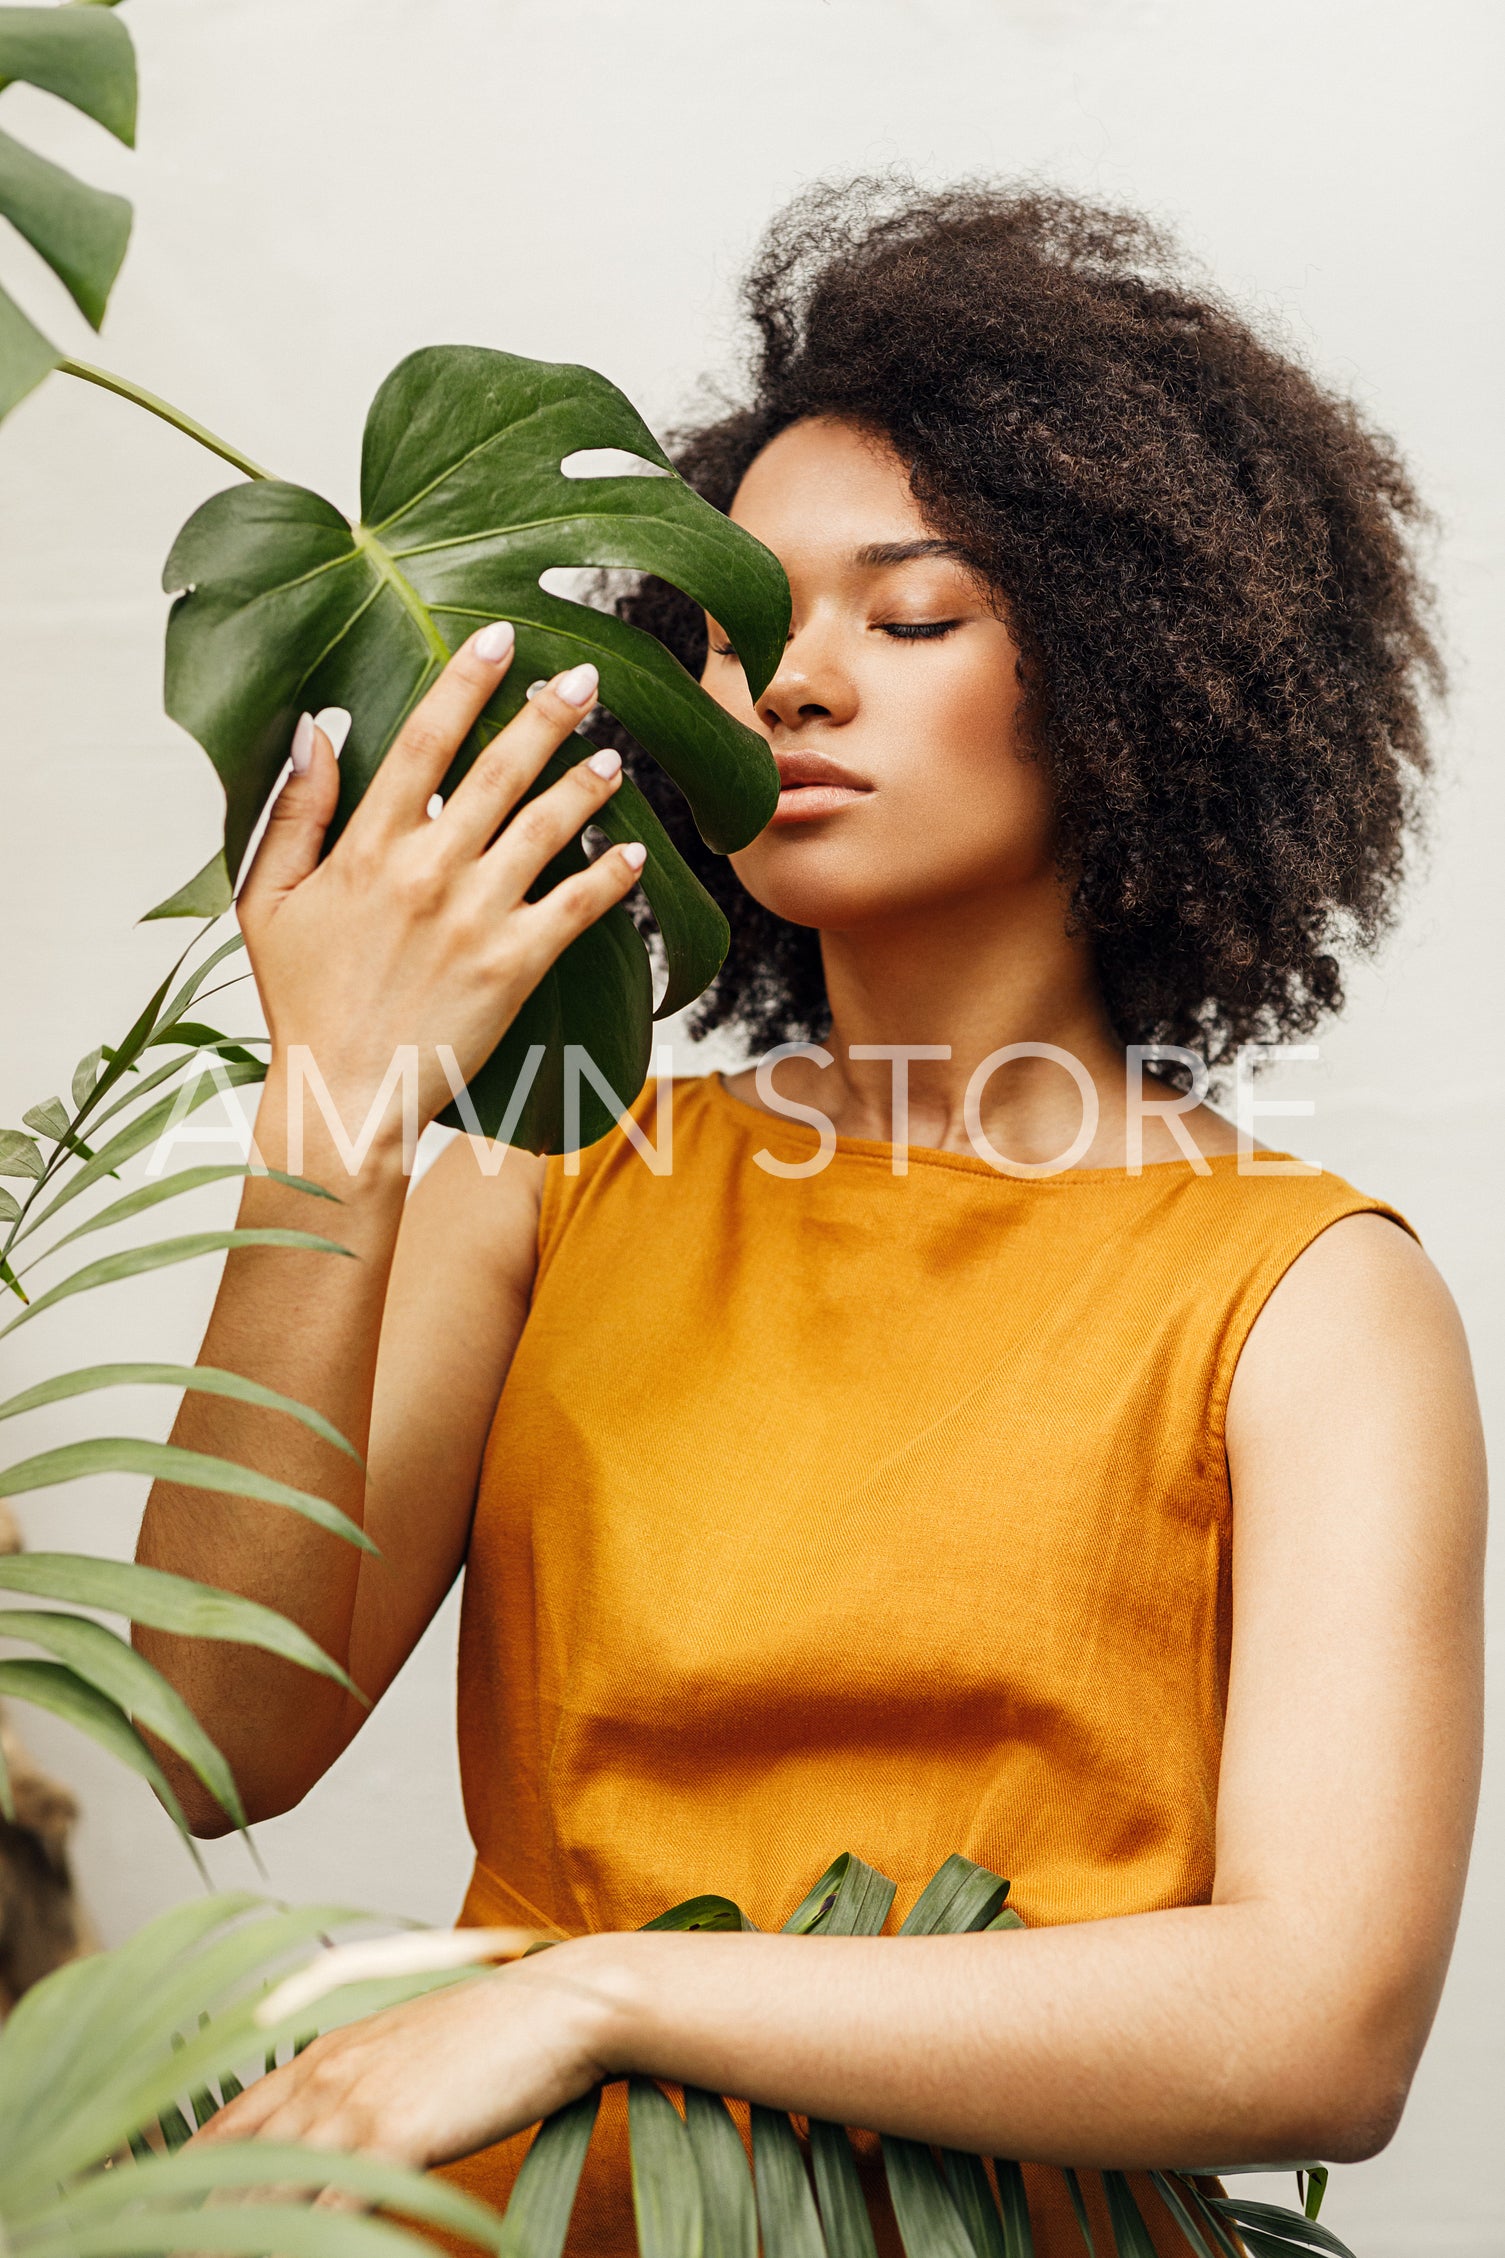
(895, 714)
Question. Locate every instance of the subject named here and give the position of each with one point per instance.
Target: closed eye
(917, 630)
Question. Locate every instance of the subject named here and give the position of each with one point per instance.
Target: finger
(399, 793)
(576, 902)
(340, 2199)
(244, 2117)
(476, 809)
(299, 818)
(543, 825)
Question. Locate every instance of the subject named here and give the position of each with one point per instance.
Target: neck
(969, 978)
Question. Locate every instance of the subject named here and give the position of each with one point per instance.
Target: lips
(812, 785)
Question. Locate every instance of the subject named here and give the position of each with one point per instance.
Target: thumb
(300, 816)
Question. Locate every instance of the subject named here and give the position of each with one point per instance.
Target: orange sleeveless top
(857, 1511)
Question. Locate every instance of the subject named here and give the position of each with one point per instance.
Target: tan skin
(1284, 2018)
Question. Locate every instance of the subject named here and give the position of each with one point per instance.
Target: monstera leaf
(283, 606)
(82, 54)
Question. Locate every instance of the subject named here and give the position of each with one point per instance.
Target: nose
(812, 684)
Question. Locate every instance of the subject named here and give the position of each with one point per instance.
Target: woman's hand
(417, 930)
(439, 2077)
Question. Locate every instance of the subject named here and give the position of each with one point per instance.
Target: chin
(811, 875)
(808, 880)
(827, 889)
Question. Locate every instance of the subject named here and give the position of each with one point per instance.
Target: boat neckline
(798, 1136)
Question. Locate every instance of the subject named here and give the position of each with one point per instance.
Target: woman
(1027, 1476)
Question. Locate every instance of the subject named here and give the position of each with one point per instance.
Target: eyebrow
(879, 553)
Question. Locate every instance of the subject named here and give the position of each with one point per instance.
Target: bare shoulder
(476, 1206)
(461, 1285)
(468, 1247)
(1359, 1351)
(1364, 1281)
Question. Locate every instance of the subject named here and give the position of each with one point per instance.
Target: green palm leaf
(49, 1119)
(1130, 2233)
(731, 2215)
(93, 2064)
(173, 1187)
(133, 1454)
(849, 1900)
(930, 2225)
(96, 1074)
(163, 1602)
(141, 1084)
(1261, 2244)
(960, 1898)
(715, 2158)
(162, 1254)
(20, 1155)
(1013, 2206)
(1274, 2219)
(1079, 2206)
(787, 2215)
(838, 2188)
(245, 2230)
(199, 1379)
(160, 2185)
(543, 2194)
(144, 1130)
(714, 1913)
(463, 506)
(666, 2197)
(1165, 2186)
(105, 1661)
(967, 2179)
(52, 1686)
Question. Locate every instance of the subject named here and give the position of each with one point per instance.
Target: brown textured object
(41, 1922)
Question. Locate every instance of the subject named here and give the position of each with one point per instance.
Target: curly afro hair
(1205, 560)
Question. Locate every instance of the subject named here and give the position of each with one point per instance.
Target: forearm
(308, 1325)
(1198, 2036)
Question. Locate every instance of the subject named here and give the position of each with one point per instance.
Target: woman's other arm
(414, 932)
(1283, 2019)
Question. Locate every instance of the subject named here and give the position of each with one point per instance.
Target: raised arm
(413, 931)
(1283, 2019)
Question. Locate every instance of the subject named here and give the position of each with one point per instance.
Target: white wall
(324, 184)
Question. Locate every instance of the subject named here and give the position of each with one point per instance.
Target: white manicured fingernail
(301, 752)
(535, 687)
(634, 855)
(494, 643)
(604, 763)
(578, 687)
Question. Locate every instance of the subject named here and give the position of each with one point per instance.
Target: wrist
(348, 1133)
(610, 1981)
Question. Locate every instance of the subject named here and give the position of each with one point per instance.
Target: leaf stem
(108, 381)
(404, 591)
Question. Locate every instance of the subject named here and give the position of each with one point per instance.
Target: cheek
(726, 684)
(960, 772)
(960, 807)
